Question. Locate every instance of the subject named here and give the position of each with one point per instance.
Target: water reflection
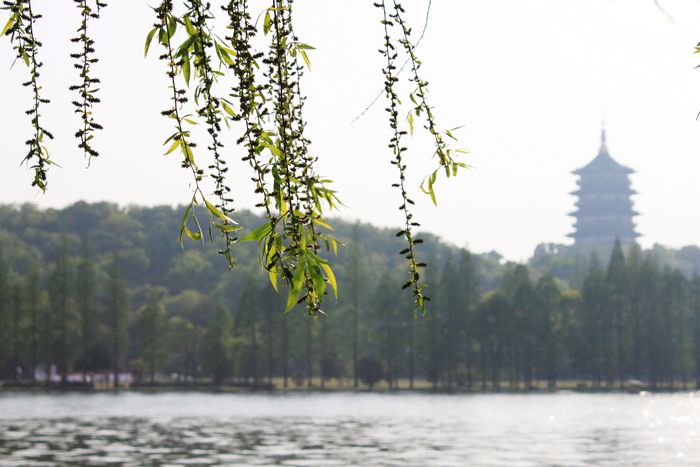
(347, 429)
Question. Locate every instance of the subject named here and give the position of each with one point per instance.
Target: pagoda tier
(604, 209)
(605, 189)
(622, 228)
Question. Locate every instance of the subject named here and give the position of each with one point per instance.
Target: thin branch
(405, 63)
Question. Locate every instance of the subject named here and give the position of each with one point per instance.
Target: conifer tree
(86, 298)
(5, 303)
(217, 344)
(617, 310)
(151, 329)
(63, 313)
(117, 318)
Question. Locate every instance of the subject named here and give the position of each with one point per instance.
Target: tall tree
(18, 326)
(355, 286)
(650, 290)
(695, 301)
(63, 311)
(118, 317)
(617, 309)
(548, 324)
(518, 287)
(151, 330)
(467, 291)
(387, 312)
(86, 298)
(451, 314)
(594, 323)
(5, 317)
(33, 294)
(181, 339)
(218, 344)
(634, 292)
(248, 325)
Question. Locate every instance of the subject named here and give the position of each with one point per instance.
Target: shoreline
(240, 389)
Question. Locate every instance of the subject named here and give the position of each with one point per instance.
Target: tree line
(73, 297)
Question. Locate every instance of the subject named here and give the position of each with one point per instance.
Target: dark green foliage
(63, 316)
(117, 317)
(631, 319)
(218, 344)
(371, 371)
(86, 302)
(5, 318)
(150, 329)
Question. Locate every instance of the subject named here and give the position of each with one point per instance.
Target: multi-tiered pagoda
(604, 208)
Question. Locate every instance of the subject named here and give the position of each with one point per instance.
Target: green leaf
(295, 286)
(226, 49)
(306, 59)
(227, 228)
(257, 234)
(274, 149)
(272, 274)
(323, 224)
(410, 122)
(317, 279)
(187, 151)
(173, 146)
(149, 38)
(183, 222)
(227, 108)
(267, 22)
(9, 24)
(189, 27)
(217, 212)
(331, 278)
(172, 26)
(186, 69)
(193, 235)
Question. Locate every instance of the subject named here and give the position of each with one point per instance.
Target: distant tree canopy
(252, 86)
(68, 302)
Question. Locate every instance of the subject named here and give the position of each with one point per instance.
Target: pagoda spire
(603, 139)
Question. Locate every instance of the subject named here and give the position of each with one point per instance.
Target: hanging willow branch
(419, 97)
(271, 116)
(198, 45)
(86, 89)
(250, 98)
(316, 191)
(390, 81)
(166, 28)
(297, 198)
(20, 29)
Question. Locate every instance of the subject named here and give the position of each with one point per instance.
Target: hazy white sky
(531, 81)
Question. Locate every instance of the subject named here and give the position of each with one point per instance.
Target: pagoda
(604, 209)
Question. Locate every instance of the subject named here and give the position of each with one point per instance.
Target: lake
(560, 429)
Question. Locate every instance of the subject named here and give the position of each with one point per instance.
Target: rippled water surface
(563, 429)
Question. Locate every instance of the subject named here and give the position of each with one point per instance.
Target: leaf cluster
(276, 149)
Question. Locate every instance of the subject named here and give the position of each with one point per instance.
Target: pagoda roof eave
(603, 162)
